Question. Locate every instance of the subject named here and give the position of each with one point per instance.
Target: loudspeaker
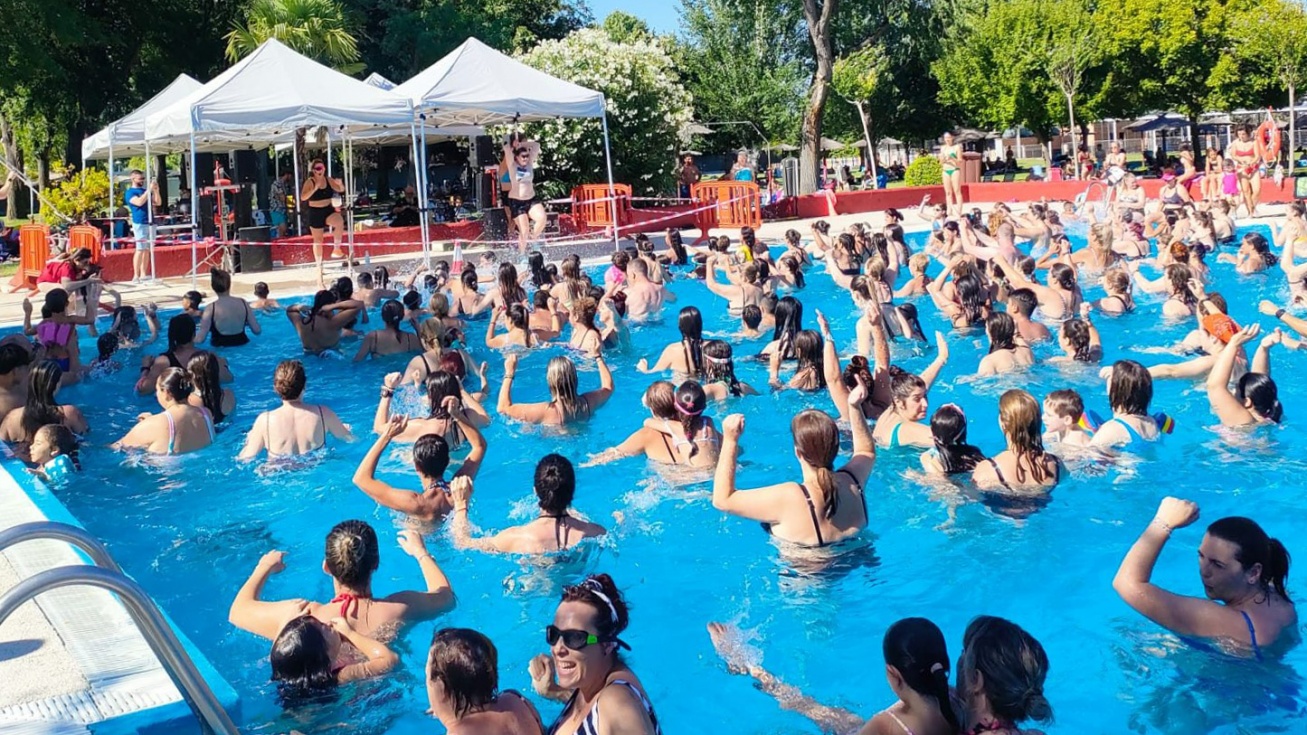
(243, 207)
(204, 170)
(205, 215)
(495, 224)
(247, 169)
(254, 258)
(486, 188)
(486, 153)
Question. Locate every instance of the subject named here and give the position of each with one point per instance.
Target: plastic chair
(34, 251)
(592, 206)
(86, 236)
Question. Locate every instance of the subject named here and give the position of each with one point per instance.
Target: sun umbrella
(781, 147)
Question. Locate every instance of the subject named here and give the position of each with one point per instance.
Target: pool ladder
(106, 574)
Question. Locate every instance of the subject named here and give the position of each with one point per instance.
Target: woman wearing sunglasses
(322, 195)
(584, 668)
(524, 209)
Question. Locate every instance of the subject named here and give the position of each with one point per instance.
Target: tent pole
(328, 137)
(612, 190)
(111, 207)
(413, 134)
(149, 210)
(195, 214)
(422, 196)
(347, 148)
(295, 163)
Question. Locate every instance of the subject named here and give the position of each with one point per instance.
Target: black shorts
(318, 216)
(519, 207)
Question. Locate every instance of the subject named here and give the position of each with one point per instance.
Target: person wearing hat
(1172, 195)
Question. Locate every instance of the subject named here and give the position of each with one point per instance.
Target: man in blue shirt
(138, 201)
(742, 170)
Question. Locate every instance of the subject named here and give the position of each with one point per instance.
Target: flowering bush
(79, 196)
(647, 106)
(924, 171)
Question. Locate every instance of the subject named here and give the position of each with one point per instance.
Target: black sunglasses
(577, 640)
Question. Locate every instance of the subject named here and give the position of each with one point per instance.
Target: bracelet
(387, 393)
(1163, 524)
(462, 509)
(510, 377)
(1279, 313)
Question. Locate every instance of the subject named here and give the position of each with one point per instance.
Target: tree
(317, 29)
(739, 62)
(647, 107)
(855, 78)
(626, 28)
(1072, 51)
(818, 15)
(1269, 45)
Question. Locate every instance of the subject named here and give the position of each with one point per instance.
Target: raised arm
(404, 501)
(864, 446)
(381, 419)
(264, 619)
(597, 398)
(1228, 409)
(830, 366)
(438, 596)
(757, 504)
(931, 372)
(475, 439)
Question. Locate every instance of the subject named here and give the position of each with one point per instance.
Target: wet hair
(793, 238)
(789, 321)
(301, 661)
(63, 440)
(857, 368)
(289, 380)
(1257, 241)
(540, 299)
(56, 302)
(536, 262)
(343, 288)
(560, 375)
(106, 345)
(1066, 403)
(124, 323)
(13, 357)
(821, 226)
(41, 407)
(176, 384)
(1012, 665)
(261, 290)
(1259, 390)
(677, 246)
(902, 383)
(611, 612)
(908, 313)
(690, 322)
(452, 362)
(1179, 275)
(1076, 332)
(1019, 416)
(808, 348)
(469, 278)
(718, 366)
(466, 664)
(972, 295)
(1117, 281)
(205, 374)
(518, 317)
(1002, 331)
(219, 281)
(411, 300)
(660, 399)
(194, 297)
(440, 385)
(791, 265)
(1130, 388)
(1063, 275)
(1255, 547)
(948, 428)
(915, 647)
(392, 314)
(751, 316)
(690, 404)
(817, 442)
(555, 484)
(1023, 301)
(351, 553)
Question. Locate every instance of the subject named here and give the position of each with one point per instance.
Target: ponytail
(1276, 568)
(1255, 547)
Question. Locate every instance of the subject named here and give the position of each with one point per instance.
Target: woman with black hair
(209, 394)
(179, 428)
(305, 653)
(520, 333)
(951, 455)
(449, 407)
(788, 317)
(684, 357)
(965, 301)
(555, 529)
(1006, 354)
(690, 436)
(430, 462)
(463, 688)
(1246, 609)
(1255, 400)
(320, 327)
(390, 339)
(518, 172)
(809, 373)
(584, 666)
(1129, 392)
(41, 408)
(719, 381)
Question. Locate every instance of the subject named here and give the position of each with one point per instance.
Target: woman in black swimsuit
(820, 512)
(225, 305)
(1029, 469)
(181, 348)
(322, 193)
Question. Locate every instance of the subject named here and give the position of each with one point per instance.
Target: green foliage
(646, 107)
(316, 28)
(858, 75)
(924, 171)
(625, 28)
(79, 196)
(1269, 53)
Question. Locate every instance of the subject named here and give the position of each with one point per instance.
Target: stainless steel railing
(147, 616)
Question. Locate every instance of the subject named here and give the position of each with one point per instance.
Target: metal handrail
(147, 616)
(60, 532)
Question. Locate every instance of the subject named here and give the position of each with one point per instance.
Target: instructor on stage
(523, 207)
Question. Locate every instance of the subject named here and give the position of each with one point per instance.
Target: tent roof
(477, 85)
(379, 81)
(127, 133)
(270, 92)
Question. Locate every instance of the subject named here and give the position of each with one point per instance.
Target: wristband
(387, 393)
(1163, 524)
(510, 377)
(1279, 313)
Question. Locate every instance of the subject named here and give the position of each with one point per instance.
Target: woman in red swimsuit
(1249, 168)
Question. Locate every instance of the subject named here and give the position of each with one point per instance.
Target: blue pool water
(192, 529)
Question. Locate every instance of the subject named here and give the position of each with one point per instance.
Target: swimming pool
(191, 530)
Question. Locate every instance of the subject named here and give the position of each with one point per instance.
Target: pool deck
(298, 280)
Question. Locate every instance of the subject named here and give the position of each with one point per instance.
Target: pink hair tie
(685, 410)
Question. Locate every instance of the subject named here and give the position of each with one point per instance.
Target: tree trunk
(819, 22)
(866, 138)
(12, 151)
(1075, 145)
(1292, 114)
(43, 169)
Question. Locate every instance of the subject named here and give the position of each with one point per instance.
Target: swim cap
(1220, 326)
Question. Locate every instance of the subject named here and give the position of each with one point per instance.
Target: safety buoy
(1268, 141)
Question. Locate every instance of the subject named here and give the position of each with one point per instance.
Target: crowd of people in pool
(1011, 274)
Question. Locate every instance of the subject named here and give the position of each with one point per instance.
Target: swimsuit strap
(899, 722)
(346, 600)
(1002, 480)
(857, 488)
(812, 509)
(323, 420)
(894, 435)
(1252, 635)
(172, 431)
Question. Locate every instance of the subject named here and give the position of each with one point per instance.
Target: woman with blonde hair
(1024, 465)
(565, 404)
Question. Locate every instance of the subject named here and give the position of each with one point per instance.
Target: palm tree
(316, 28)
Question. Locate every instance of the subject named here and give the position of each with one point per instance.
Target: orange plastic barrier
(738, 204)
(592, 206)
(33, 252)
(86, 236)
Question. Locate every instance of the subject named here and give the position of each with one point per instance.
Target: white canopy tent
(126, 135)
(477, 85)
(266, 97)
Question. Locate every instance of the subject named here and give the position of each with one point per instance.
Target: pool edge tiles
(124, 688)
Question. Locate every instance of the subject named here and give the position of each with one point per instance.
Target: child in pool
(54, 452)
(261, 300)
(1063, 410)
(104, 364)
(192, 304)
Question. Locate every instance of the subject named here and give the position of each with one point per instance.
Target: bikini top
(812, 507)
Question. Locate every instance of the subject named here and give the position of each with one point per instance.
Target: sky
(661, 15)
